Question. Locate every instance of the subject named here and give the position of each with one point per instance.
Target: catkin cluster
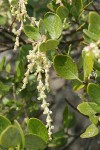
(36, 59)
(95, 48)
(19, 13)
(40, 62)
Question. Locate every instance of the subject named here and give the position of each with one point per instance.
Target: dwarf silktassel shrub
(66, 38)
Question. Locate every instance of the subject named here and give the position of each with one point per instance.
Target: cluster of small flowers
(95, 48)
(42, 64)
(20, 14)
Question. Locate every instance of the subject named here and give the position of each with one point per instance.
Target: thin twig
(66, 147)
(95, 9)
(72, 106)
(2, 29)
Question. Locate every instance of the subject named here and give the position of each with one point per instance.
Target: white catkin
(20, 13)
(94, 47)
(42, 65)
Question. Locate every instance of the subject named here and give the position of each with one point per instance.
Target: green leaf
(21, 132)
(93, 91)
(68, 118)
(32, 32)
(95, 107)
(53, 25)
(42, 29)
(34, 142)
(62, 12)
(35, 126)
(65, 67)
(77, 6)
(10, 137)
(91, 131)
(66, 3)
(86, 38)
(94, 26)
(88, 62)
(48, 45)
(4, 123)
(94, 119)
(91, 35)
(89, 108)
(86, 109)
(93, 31)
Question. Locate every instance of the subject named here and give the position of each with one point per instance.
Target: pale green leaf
(48, 45)
(94, 23)
(91, 131)
(86, 109)
(94, 119)
(88, 62)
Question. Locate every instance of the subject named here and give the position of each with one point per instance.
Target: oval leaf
(93, 91)
(94, 119)
(91, 131)
(4, 123)
(41, 27)
(91, 35)
(62, 12)
(77, 6)
(68, 118)
(88, 62)
(32, 32)
(33, 142)
(86, 109)
(53, 25)
(10, 137)
(48, 45)
(94, 26)
(21, 132)
(35, 126)
(65, 67)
